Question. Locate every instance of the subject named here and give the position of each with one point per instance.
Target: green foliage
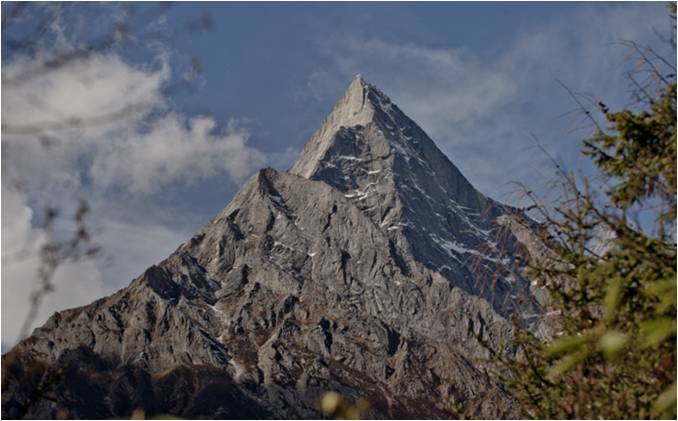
(614, 353)
(639, 152)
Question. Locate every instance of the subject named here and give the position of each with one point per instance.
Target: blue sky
(480, 78)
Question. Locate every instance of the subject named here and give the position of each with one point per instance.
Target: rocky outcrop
(372, 268)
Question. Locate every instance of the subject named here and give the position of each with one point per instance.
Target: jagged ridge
(354, 271)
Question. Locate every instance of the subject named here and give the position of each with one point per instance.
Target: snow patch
(400, 150)
(361, 195)
(393, 227)
(278, 243)
(349, 158)
(453, 247)
(216, 310)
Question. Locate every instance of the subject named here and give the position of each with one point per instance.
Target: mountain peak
(358, 80)
(367, 132)
(373, 97)
(353, 108)
(361, 104)
(358, 86)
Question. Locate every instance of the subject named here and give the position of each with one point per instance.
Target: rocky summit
(372, 268)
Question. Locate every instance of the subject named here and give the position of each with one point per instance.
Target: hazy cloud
(481, 109)
(75, 284)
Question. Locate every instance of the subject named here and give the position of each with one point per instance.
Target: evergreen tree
(612, 281)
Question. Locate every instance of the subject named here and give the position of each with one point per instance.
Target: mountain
(372, 267)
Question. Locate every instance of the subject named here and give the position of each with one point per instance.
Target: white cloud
(21, 244)
(142, 149)
(170, 153)
(141, 146)
(85, 88)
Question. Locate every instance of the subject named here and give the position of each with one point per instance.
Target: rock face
(372, 267)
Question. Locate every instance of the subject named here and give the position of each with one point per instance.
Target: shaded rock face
(372, 267)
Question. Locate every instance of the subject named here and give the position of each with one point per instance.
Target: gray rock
(372, 267)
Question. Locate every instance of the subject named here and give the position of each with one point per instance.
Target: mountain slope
(370, 268)
(370, 150)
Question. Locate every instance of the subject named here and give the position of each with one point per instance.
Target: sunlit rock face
(372, 267)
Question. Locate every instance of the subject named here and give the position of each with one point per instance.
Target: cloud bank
(120, 131)
(101, 129)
